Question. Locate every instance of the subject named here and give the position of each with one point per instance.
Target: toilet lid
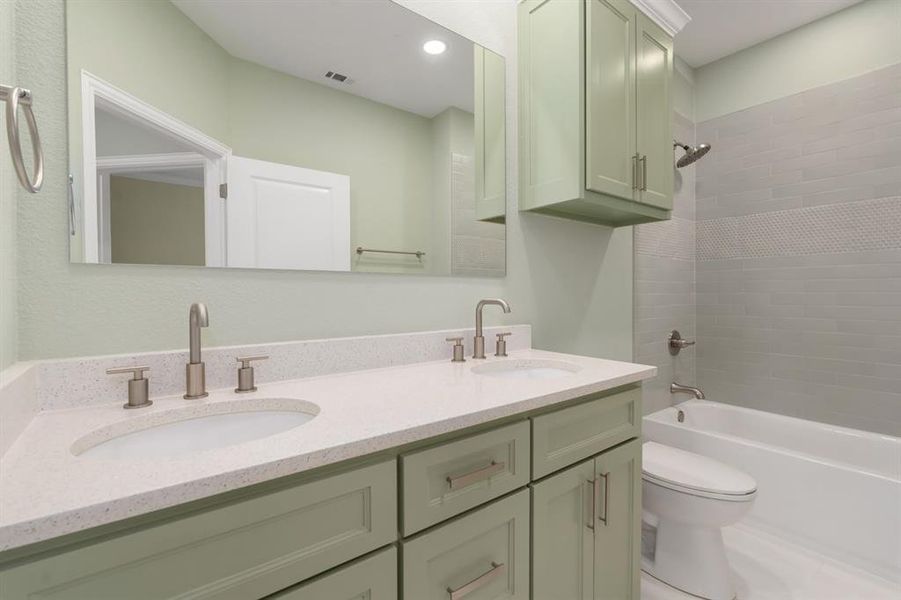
(693, 471)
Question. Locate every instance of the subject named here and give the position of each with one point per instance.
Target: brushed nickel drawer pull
(497, 570)
(467, 479)
(606, 486)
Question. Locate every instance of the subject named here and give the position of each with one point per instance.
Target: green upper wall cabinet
(490, 136)
(596, 110)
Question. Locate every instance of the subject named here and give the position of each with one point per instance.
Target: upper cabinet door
(609, 97)
(617, 534)
(490, 146)
(654, 64)
(550, 46)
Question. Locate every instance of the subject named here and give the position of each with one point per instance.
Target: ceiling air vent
(339, 77)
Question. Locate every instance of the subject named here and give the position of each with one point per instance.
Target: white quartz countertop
(47, 491)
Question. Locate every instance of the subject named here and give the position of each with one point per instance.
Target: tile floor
(768, 568)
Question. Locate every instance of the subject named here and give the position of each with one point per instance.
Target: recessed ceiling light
(434, 47)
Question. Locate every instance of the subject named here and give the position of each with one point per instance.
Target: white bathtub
(835, 490)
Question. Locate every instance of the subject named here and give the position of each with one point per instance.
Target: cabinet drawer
(246, 549)
(482, 556)
(446, 480)
(371, 578)
(567, 436)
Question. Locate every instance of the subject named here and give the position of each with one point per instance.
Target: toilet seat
(694, 474)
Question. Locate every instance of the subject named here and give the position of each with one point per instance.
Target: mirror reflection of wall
(156, 221)
(376, 144)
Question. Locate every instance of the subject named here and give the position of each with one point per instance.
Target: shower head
(692, 153)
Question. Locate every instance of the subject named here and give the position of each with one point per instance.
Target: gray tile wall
(665, 284)
(799, 255)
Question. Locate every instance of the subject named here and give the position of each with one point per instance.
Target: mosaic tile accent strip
(849, 227)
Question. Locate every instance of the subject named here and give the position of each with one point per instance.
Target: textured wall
(799, 254)
(572, 281)
(665, 284)
(8, 187)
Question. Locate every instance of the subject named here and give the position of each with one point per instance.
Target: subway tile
(839, 140)
(797, 282)
(828, 167)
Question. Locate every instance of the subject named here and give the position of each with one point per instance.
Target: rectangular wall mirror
(330, 135)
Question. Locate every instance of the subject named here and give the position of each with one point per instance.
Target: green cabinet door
(610, 166)
(370, 578)
(550, 65)
(563, 525)
(490, 136)
(654, 67)
(617, 533)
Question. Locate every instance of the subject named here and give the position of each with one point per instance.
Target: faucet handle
(501, 347)
(138, 386)
(137, 372)
(246, 360)
(245, 373)
(458, 348)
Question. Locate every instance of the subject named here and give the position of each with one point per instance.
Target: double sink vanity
(511, 476)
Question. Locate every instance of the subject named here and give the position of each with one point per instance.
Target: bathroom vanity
(505, 477)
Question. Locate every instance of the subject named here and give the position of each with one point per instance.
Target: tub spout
(676, 388)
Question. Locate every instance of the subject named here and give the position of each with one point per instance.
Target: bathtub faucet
(676, 388)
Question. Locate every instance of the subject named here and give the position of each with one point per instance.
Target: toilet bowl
(688, 498)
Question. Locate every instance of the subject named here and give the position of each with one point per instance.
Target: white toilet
(689, 497)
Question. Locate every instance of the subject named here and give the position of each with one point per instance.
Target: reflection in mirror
(318, 134)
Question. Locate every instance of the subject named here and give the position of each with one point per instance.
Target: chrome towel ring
(14, 96)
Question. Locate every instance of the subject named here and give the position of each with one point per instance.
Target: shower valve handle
(676, 344)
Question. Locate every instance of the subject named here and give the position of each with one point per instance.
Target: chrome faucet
(478, 350)
(677, 388)
(195, 376)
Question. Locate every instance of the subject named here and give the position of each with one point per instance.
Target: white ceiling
(720, 27)
(377, 43)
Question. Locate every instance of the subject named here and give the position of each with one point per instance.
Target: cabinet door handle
(597, 492)
(635, 183)
(497, 570)
(592, 503)
(467, 479)
(644, 172)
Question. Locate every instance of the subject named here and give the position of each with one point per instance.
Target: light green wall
(385, 151)
(851, 42)
(571, 281)
(8, 186)
(156, 223)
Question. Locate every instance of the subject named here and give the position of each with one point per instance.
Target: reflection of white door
(285, 217)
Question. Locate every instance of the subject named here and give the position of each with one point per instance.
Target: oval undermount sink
(527, 369)
(183, 432)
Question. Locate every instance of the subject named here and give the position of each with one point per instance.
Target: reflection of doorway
(151, 209)
(122, 135)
